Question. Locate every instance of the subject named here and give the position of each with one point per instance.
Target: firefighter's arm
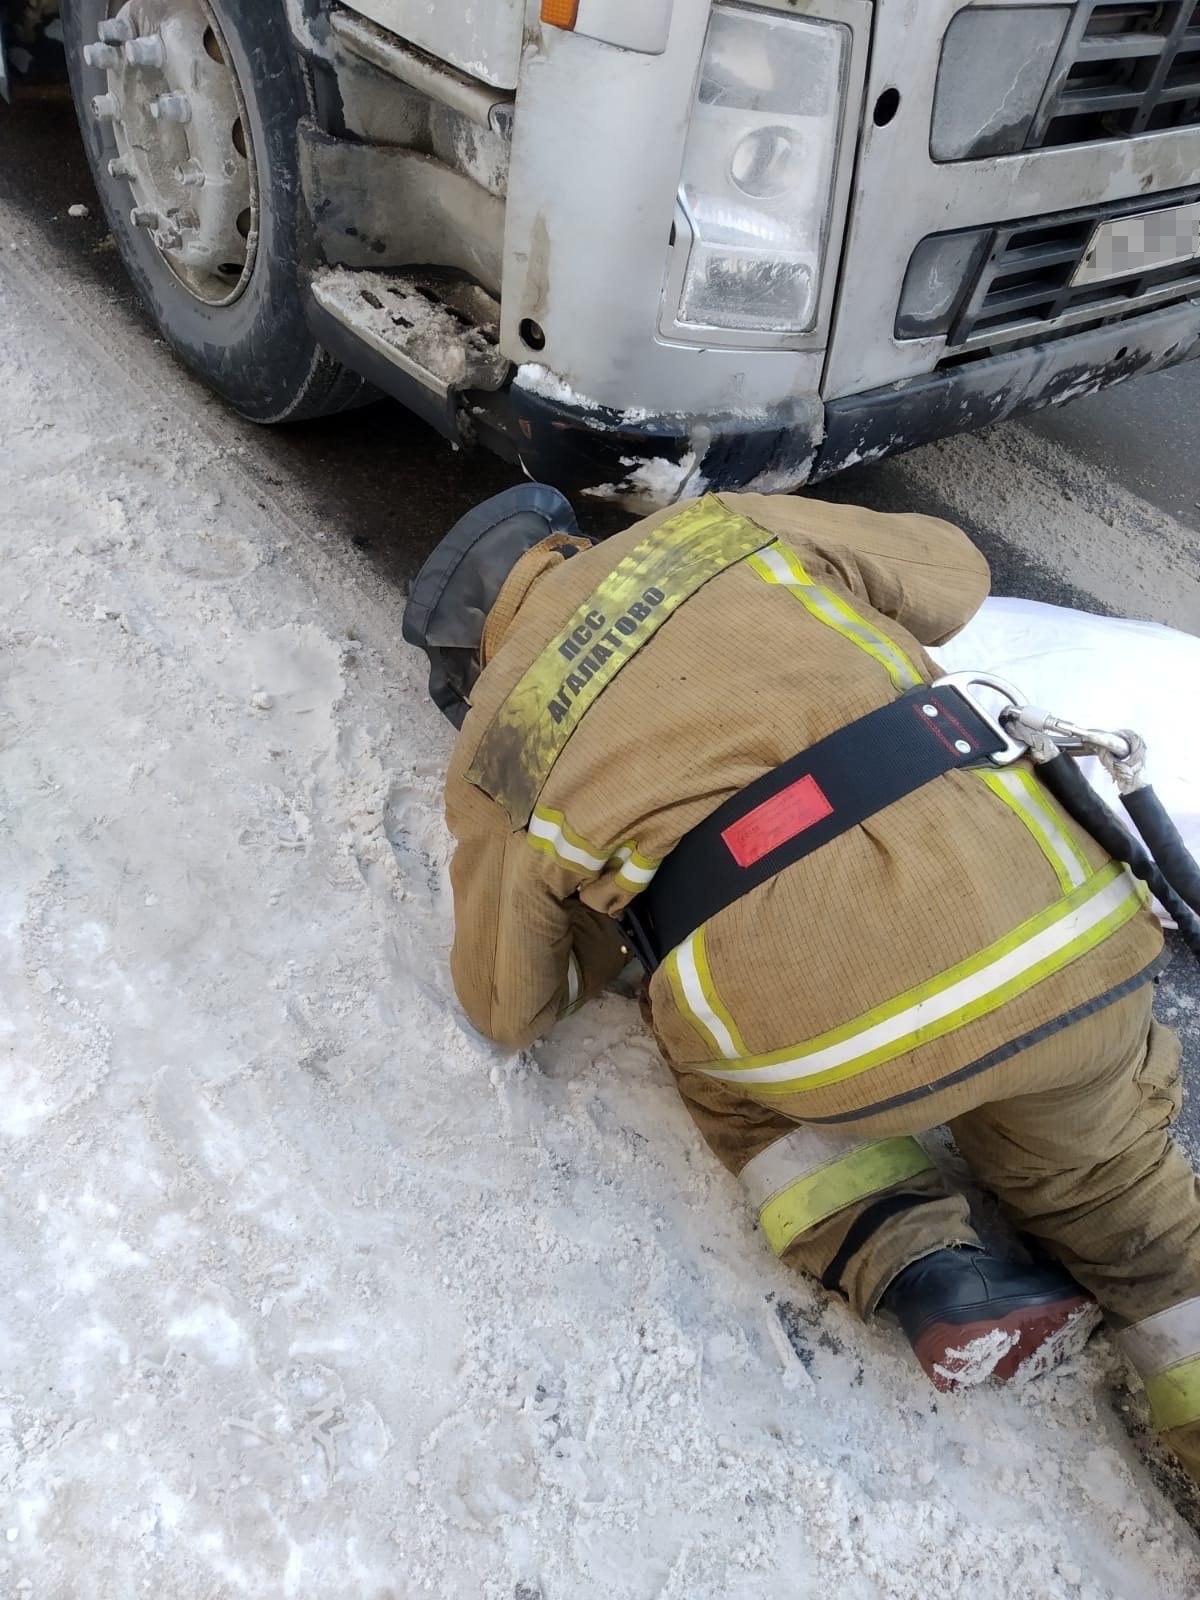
(922, 572)
(526, 951)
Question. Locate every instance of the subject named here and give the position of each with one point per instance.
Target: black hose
(1165, 843)
(1069, 786)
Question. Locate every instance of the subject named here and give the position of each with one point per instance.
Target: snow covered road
(307, 1290)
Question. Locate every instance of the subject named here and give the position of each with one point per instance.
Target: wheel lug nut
(171, 108)
(106, 108)
(116, 30)
(119, 167)
(143, 217)
(168, 239)
(191, 174)
(104, 56)
(145, 52)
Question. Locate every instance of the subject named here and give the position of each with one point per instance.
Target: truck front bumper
(651, 461)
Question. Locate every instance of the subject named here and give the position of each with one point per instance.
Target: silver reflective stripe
(548, 829)
(810, 1175)
(549, 833)
(1164, 1339)
(697, 998)
(574, 982)
(798, 1153)
(636, 870)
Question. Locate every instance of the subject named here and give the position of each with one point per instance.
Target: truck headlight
(758, 169)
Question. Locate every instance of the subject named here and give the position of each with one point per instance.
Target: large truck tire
(189, 111)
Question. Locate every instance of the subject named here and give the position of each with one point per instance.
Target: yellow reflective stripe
(636, 861)
(636, 874)
(625, 610)
(697, 998)
(549, 833)
(1032, 952)
(1174, 1395)
(631, 883)
(778, 564)
(793, 1155)
(1022, 794)
(708, 988)
(636, 870)
(841, 1182)
(796, 1154)
(1165, 1348)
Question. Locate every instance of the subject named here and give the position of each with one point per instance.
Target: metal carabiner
(962, 682)
(1070, 737)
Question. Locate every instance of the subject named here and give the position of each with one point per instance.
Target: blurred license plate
(1144, 243)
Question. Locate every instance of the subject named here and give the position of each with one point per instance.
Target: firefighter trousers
(1072, 1135)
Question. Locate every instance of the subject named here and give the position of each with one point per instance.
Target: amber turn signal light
(560, 13)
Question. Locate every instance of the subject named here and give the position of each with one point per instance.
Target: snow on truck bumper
(642, 461)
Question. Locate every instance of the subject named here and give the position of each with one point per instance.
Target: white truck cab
(646, 246)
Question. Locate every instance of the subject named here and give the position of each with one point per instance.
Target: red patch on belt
(776, 821)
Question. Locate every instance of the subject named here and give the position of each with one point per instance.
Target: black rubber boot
(970, 1316)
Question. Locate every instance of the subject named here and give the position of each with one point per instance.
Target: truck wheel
(189, 111)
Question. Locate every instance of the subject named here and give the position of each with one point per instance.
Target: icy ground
(309, 1291)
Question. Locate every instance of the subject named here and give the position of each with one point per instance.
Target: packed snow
(309, 1290)
(652, 481)
(539, 380)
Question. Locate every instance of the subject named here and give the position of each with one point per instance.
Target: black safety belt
(819, 794)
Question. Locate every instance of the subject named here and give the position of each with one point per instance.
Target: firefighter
(859, 925)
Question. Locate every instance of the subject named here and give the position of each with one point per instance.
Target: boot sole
(1022, 1345)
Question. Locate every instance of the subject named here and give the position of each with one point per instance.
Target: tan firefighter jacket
(632, 688)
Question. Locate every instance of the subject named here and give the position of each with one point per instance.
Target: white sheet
(1104, 672)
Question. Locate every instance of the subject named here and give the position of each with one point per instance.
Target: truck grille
(1126, 67)
(1024, 289)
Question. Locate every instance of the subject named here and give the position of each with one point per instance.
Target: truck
(647, 247)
